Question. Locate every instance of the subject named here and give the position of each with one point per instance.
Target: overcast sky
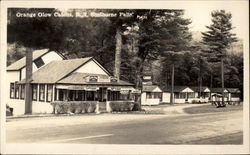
(200, 14)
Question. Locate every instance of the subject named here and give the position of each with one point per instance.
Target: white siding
(91, 67)
(47, 58)
(166, 97)
(23, 70)
(11, 76)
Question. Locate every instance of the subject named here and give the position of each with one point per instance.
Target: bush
(77, 107)
(121, 106)
(136, 107)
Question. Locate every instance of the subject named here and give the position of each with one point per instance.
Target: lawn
(211, 108)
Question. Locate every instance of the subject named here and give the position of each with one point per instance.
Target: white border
(124, 149)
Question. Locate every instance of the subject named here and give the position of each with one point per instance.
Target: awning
(87, 88)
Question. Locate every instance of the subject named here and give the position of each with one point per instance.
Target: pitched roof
(79, 78)
(22, 62)
(233, 90)
(176, 88)
(149, 88)
(216, 90)
(56, 70)
(197, 89)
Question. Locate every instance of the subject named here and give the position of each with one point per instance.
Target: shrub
(121, 106)
(136, 107)
(77, 107)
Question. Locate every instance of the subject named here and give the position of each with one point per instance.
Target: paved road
(209, 128)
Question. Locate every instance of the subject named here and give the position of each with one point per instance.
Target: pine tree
(175, 39)
(218, 38)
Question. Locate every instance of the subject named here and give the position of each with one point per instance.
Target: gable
(92, 67)
(206, 90)
(187, 90)
(157, 89)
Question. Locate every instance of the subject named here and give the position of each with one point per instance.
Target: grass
(211, 108)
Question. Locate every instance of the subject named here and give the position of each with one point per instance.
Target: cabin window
(235, 94)
(34, 92)
(16, 91)
(191, 95)
(41, 92)
(22, 91)
(49, 93)
(39, 62)
(12, 90)
(180, 95)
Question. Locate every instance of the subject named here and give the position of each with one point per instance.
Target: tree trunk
(28, 89)
(118, 52)
(222, 81)
(211, 84)
(199, 80)
(172, 87)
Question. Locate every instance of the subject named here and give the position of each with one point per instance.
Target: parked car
(200, 100)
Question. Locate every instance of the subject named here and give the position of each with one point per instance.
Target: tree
(218, 38)
(175, 39)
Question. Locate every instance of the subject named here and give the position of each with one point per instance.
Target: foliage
(77, 107)
(218, 37)
(121, 106)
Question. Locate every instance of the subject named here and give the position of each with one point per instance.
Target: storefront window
(41, 92)
(49, 93)
(22, 91)
(34, 92)
(12, 90)
(17, 91)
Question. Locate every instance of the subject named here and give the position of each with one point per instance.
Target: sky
(200, 14)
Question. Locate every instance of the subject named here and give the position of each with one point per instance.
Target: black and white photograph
(131, 75)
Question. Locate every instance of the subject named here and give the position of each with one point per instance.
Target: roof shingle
(56, 70)
(22, 62)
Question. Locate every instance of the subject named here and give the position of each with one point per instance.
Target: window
(34, 92)
(41, 92)
(39, 62)
(16, 91)
(22, 91)
(191, 95)
(12, 90)
(49, 93)
(182, 95)
(93, 78)
(235, 95)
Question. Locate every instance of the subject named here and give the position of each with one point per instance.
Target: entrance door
(102, 95)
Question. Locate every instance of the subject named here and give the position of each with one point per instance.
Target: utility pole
(172, 87)
(28, 89)
(222, 81)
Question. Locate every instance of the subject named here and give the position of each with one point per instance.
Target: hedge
(77, 107)
(122, 106)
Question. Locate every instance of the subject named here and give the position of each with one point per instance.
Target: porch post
(53, 93)
(37, 92)
(57, 94)
(45, 92)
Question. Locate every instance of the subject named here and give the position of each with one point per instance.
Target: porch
(92, 93)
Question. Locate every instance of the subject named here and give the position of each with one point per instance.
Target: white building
(151, 95)
(182, 94)
(204, 96)
(81, 79)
